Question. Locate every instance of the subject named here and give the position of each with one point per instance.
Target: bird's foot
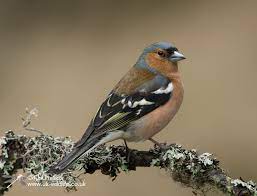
(162, 146)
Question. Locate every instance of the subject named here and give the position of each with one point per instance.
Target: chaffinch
(142, 103)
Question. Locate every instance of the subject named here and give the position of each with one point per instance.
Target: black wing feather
(117, 111)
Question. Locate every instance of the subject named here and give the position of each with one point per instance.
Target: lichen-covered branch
(35, 155)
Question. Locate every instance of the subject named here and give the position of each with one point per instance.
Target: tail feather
(82, 147)
(70, 158)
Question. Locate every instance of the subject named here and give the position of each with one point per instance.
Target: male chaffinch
(142, 103)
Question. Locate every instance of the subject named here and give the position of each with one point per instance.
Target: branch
(35, 155)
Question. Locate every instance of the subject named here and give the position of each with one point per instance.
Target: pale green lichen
(173, 154)
(205, 158)
(249, 185)
(155, 162)
(186, 166)
(40, 152)
(177, 156)
(44, 151)
(35, 155)
(2, 141)
(2, 163)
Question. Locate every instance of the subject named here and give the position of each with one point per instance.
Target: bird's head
(160, 57)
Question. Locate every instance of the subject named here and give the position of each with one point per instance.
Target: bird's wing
(119, 110)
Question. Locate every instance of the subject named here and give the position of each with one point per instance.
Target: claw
(163, 146)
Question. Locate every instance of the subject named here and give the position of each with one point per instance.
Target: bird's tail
(70, 158)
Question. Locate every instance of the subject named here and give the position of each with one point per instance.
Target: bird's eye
(161, 53)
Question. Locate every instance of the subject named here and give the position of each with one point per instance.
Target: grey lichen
(186, 166)
(250, 185)
(35, 155)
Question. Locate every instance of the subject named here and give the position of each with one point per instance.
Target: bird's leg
(128, 151)
(155, 142)
(162, 146)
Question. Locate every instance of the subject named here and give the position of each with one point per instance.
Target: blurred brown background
(65, 56)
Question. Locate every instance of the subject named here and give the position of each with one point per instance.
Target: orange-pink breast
(155, 121)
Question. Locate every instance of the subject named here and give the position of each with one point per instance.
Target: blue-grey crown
(161, 45)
